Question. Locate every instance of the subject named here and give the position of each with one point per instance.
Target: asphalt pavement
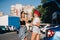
(11, 36)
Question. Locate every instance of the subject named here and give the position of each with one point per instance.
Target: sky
(6, 4)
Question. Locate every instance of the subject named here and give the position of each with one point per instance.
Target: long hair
(22, 13)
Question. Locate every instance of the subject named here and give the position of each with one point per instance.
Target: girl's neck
(35, 16)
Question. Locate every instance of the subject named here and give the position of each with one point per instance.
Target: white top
(36, 19)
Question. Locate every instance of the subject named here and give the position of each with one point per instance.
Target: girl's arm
(37, 24)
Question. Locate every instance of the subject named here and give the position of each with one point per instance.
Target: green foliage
(42, 11)
(43, 1)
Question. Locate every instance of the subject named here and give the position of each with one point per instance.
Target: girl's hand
(37, 24)
(31, 24)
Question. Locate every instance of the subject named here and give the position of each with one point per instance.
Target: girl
(23, 29)
(36, 24)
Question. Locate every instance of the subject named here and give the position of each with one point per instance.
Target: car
(2, 29)
(53, 33)
(45, 31)
(12, 28)
(42, 31)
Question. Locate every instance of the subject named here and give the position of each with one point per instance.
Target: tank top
(22, 23)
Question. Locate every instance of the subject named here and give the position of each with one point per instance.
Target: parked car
(53, 33)
(12, 28)
(46, 30)
(2, 29)
(42, 36)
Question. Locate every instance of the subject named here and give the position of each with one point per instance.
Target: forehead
(22, 12)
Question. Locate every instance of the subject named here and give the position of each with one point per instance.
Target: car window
(2, 26)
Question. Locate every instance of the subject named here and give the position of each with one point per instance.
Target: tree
(43, 1)
(42, 11)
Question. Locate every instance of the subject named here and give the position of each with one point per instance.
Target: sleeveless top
(22, 23)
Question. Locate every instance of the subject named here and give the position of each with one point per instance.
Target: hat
(37, 12)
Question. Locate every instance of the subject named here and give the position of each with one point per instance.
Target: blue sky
(5, 4)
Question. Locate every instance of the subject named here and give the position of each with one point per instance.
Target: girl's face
(23, 15)
(35, 15)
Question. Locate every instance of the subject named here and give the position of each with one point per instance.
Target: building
(12, 10)
(16, 10)
(28, 9)
(1, 13)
